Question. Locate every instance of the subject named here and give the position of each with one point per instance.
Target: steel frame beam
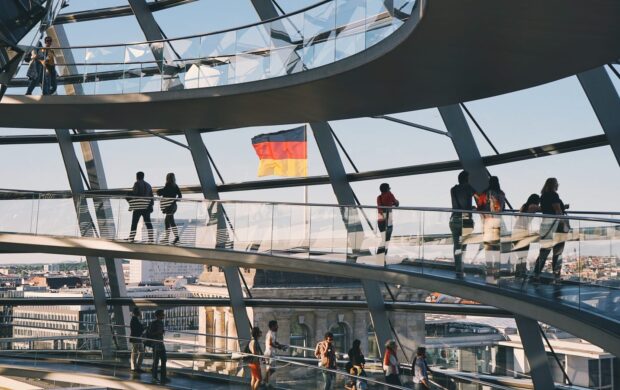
(209, 190)
(72, 167)
(97, 181)
(403, 306)
(465, 145)
(150, 28)
(112, 12)
(540, 369)
(345, 196)
(605, 102)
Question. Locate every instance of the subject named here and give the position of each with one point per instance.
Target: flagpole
(306, 210)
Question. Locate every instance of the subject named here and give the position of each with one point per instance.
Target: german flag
(284, 153)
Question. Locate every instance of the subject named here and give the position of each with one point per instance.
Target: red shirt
(385, 199)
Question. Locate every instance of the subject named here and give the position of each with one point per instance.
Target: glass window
(593, 372)
(373, 348)
(299, 338)
(341, 337)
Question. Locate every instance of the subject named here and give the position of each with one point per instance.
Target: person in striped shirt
(141, 206)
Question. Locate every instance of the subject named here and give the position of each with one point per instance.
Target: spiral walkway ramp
(432, 53)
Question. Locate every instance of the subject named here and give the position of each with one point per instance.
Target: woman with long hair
(552, 230)
(492, 199)
(521, 235)
(254, 360)
(170, 192)
(390, 364)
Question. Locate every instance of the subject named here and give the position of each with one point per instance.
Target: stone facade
(302, 326)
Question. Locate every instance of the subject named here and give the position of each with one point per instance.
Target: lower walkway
(59, 373)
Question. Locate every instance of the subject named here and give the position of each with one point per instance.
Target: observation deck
(344, 241)
(337, 59)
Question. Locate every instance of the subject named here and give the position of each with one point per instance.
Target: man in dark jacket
(141, 207)
(137, 346)
(156, 332)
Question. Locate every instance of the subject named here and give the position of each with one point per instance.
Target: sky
(558, 111)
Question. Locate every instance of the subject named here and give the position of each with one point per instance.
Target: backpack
(249, 358)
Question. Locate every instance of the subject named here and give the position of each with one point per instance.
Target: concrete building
(150, 272)
(304, 327)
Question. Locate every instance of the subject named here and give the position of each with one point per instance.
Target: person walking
(271, 345)
(390, 364)
(49, 81)
(384, 215)
(419, 368)
(325, 351)
(356, 357)
(137, 346)
(254, 361)
(521, 237)
(35, 69)
(552, 230)
(141, 207)
(461, 224)
(156, 332)
(356, 364)
(170, 192)
(492, 199)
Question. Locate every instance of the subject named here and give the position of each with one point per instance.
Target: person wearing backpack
(253, 360)
(492, 199)
(325, 351)
(155, 334)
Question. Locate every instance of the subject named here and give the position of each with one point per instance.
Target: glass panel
(132, 75)
(319, 34)
(19, 215)
(291, 230)
(350, 27)
(328, 237)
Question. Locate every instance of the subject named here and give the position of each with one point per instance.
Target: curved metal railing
(318, 35)
(496, 249)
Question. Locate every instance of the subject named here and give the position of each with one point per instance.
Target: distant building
(55, 282)
(149, 272)
(304, 327)
(51, 268)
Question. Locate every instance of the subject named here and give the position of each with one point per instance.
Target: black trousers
(169, 223)
(159, 354)
(393, 379)
(135, 218)
(556, 260)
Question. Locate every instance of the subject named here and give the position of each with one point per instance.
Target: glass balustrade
(312, 37)
(571, 260)
(193, 363)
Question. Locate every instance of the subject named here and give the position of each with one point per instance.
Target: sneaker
(176, 241)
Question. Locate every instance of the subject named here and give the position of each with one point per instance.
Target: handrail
(406, 208)
(258, 23)
(312, 204)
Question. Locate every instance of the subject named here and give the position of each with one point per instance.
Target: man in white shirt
(271, 344)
